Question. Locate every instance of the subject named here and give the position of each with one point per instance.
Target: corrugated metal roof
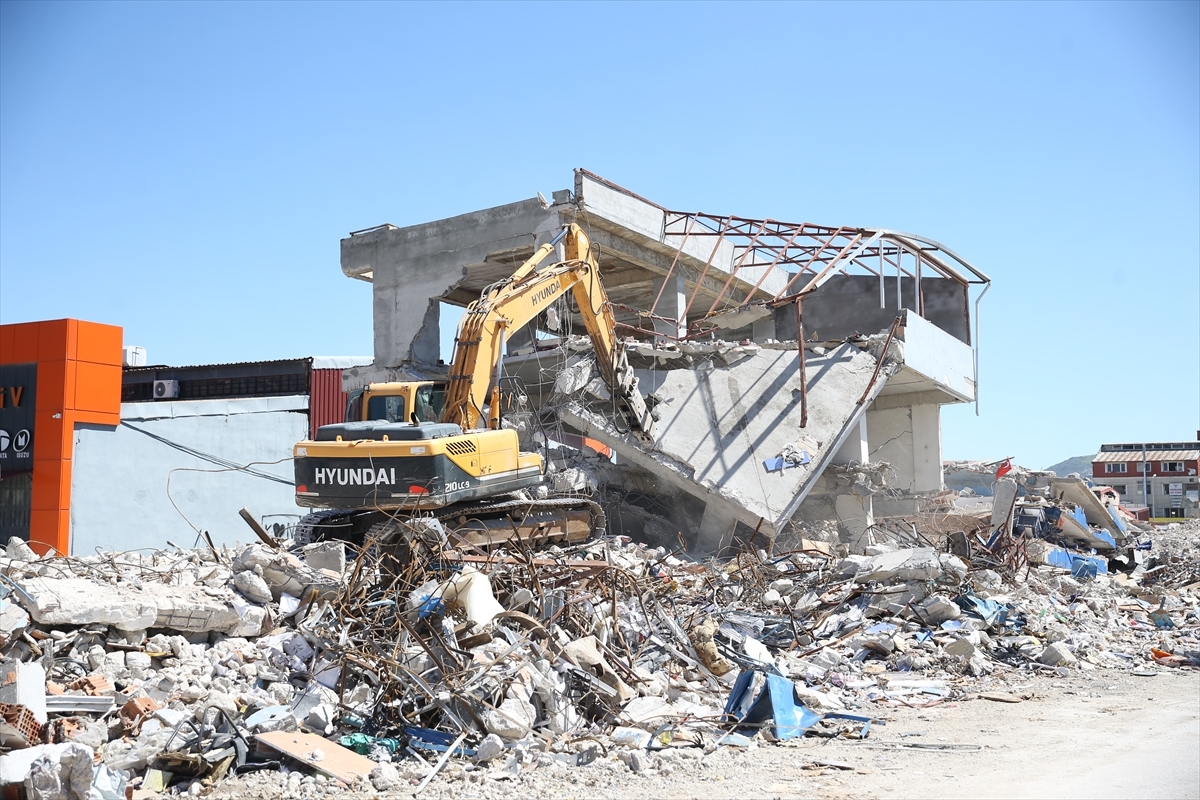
(293, 362)
(1118, 456)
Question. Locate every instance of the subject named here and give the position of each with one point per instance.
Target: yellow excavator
(421, 447)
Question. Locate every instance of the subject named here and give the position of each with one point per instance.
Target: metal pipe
(882, 279)
(919, 295)
(975, 344)
(803, 375)
(899, 272)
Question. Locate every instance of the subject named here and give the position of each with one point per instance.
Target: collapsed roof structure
(771, 351)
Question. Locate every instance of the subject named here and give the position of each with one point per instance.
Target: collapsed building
(797, 371)
(793, 394)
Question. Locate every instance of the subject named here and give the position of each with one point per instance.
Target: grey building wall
(123, 482)
(849, 304)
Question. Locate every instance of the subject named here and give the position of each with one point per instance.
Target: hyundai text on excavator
(418, 448)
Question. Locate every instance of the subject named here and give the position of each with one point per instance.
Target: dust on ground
(1104, 734)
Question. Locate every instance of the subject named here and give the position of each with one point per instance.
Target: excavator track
(529, 506)
(328, 523)
(568, 519)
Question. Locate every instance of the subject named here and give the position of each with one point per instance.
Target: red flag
(1004, 468)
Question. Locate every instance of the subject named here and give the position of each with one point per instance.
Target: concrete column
(716, 530)
(927, 448)
(855, 517)
(670, 305)
(891, 440)
(426, 346)
(854, 449)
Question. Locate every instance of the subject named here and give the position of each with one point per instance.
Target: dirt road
(1099, 734)
(1094, 735)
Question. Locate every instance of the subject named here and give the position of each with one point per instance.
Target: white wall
(930, 351)
(119, 480)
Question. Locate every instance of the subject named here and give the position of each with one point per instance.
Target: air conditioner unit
(165, 390)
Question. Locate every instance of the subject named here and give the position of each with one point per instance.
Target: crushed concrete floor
(740, 444)
(719, 426)
(317, 670)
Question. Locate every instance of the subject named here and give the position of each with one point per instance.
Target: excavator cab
(400, 402)
(429, 400)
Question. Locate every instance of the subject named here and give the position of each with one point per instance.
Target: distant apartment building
(1161, 476)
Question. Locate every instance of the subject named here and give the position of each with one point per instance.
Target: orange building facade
(54, 375)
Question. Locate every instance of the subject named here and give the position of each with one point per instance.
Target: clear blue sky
(187, 170)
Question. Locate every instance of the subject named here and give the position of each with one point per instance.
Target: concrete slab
(1002, 504)
(939, 356)
(1075, 530)
(719, 423)
(1076, 491)
(77, 601)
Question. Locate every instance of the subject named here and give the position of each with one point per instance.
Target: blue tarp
(776, 700)
(993, 613)
(1079, 564)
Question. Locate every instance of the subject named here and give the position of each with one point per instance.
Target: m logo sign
(17, 402)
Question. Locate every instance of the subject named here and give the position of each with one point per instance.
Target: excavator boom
(511, 304)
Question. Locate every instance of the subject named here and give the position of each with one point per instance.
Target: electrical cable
(212, 459)
(234, 468)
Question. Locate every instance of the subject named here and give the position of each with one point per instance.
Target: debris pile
(327, 666)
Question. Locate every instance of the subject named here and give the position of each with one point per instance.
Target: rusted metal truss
(772, 263)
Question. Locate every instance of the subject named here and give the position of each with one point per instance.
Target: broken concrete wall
(850, 304)
(411, 267)
(718, 423)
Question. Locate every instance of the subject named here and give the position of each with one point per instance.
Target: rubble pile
(327, 666)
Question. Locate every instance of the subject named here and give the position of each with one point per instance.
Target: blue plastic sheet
(1080, 565)
(776, 700)
(993, 613)
(430, 607)
(437, 741)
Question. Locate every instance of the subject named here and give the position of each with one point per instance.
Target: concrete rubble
(325, 667)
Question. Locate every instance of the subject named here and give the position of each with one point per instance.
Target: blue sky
(187, 170)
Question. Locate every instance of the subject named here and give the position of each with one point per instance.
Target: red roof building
(1159, 475)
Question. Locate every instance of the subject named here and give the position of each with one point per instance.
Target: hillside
(1080, 464)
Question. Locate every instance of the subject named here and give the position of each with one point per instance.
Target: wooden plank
(333, 759)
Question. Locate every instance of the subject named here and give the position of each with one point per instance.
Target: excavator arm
(509, 305)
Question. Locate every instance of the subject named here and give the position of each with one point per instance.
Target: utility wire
(220, 462)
